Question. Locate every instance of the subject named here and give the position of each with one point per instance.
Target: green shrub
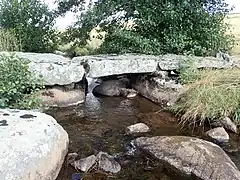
(216, 93)
(32, 21)
(155, 27)
(8, 41)
(126, 41)
(18, 87)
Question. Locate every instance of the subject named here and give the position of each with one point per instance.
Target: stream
(103, 129)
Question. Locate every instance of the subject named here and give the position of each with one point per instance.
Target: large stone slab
(33, 146)
(173, 62)
(191, 156)
(54, 69)
(107, 65)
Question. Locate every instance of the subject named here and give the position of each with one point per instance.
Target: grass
(214, 94)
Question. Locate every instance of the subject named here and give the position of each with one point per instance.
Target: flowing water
(103, 129)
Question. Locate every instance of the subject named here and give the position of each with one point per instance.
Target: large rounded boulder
(190, 156)
(33, 146)
(111, 87)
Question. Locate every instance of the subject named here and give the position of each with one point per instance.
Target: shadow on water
(102, 128)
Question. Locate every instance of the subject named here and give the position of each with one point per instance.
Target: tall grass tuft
(215, 93)
(8, 41)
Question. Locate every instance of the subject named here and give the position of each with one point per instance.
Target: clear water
(103, 129)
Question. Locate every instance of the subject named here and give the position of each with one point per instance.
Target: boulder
(218, 134)
(107, 163)
(137, 128)
(110, 87)
(85, 164)
(190, 156)
(226, 123)
(54, 69)
(56, 97)
(157, 89)
(102, 161)
(33, 146)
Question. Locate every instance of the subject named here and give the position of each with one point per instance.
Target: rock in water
(107, 163)
(58, 98)
(71, 157)
(191, 156)
(226, 123)
(110, 88)
(158, 90)
(218, 134)
(137, 128)
(129, 93)
(33, 146)
(85, 164)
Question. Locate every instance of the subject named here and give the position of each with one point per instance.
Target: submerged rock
(191, 156)
(33, 146)
(226, 123)
(85, 164)
(102, 161)
(137, 128)
(218, 134)
(71, 157)
(107, 163)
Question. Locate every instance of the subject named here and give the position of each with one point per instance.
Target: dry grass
(216, 93)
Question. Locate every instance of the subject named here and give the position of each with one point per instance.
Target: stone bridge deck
(107, 65)
(59, 70)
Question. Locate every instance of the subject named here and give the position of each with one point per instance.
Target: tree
(160, 26)
(69, 5)
(32, 22)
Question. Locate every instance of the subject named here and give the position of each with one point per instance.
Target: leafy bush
(18, 87)
(126, 41)
(214, 94)
(8, 41)
(32, 22)
(179, 27)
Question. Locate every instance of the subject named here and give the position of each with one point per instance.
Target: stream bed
(102, 128)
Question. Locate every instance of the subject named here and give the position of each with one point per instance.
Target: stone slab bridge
(59, 70)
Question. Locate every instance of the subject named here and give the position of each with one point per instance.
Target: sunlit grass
(216, 93)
